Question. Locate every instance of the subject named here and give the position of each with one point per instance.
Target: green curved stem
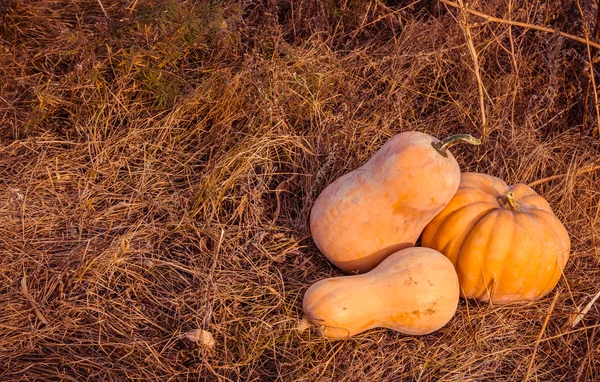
(443, 145)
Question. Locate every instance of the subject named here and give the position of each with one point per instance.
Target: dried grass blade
(467, 31)
(553, 177)
(520, 24)
(575, 318)
(537, 342)
(32, 302)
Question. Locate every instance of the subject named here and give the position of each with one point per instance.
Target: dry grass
(158, 167)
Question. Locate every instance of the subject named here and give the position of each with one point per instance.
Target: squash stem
(443, 145)
(303, 325)
(509, 201)
(510, 198)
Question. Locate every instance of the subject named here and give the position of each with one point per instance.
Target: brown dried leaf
(201, 337)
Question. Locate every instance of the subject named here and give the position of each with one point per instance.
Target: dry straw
(159, 160)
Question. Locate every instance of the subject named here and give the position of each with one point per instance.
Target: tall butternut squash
(382, 207)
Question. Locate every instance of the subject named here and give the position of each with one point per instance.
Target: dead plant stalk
(476, 69)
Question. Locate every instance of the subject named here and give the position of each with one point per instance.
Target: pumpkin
(413, 291)
(383, 206)
(504, 241)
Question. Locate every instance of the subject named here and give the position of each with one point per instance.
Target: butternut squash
(383, 206)
(413, 291)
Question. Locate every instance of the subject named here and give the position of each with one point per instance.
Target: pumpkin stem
(443, 145)
(509, 201)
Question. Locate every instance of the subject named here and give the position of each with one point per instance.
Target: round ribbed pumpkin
(504, 241)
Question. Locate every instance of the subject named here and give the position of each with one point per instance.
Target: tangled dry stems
(159, 164)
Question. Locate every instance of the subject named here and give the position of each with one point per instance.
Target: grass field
(159, 160)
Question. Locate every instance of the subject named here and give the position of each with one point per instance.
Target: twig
(537, 342)
(517, 77)
(579, 316)
(591, 348)
(471, 46)
(592, 75)
(580, 172)
(103, 10)
(283, 186)
(593, 225)
(520, 24)
(25, 292)
(132, 5)
(588, 82)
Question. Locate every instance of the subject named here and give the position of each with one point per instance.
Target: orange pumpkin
(383, 206)
(504, 241)
(414, 291)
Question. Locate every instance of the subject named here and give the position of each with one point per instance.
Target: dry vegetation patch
(159, 160)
